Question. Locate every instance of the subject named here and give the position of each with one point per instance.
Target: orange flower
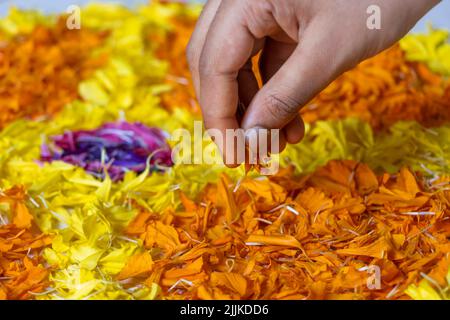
(21, 275)
(137, 265)
(15, 199)
(171, 47)
(383, 90)
(311, 237)
(48, 64)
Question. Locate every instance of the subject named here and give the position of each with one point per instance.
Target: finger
(263, 143)
(198, 37)
(294, 131)
(281, 143)
(247, 82)
(274, 55)
(247, 88)
(309, 69)
(225, 52)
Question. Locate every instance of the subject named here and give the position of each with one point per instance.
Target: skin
(305, 46)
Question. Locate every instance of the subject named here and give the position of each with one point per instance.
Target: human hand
(305, 45)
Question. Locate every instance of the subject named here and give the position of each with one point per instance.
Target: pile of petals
(119, 232)
(287, 237)
(405, 143)
(432, 48)
(22, 275)
(48, 64)
(384, 90)
(173, 49)
(429, 289)
(114, 147)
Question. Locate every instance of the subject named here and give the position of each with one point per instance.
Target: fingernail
(256, 143)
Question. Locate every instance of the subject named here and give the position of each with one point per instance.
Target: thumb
(310, 68)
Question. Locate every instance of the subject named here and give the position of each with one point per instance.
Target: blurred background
(439, 16)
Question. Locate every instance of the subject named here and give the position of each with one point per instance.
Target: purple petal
(122, 146)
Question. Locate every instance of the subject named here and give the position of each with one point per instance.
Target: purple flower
(114, 147)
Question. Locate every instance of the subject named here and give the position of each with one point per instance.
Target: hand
(305, 45)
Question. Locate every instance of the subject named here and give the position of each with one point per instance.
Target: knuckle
(259, 17)
(282, 106)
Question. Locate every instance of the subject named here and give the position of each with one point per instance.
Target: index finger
(198, 39)
(227, 48)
